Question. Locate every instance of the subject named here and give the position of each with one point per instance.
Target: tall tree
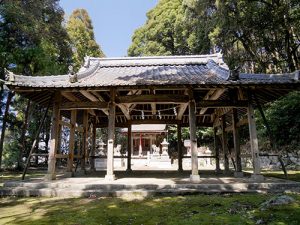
(81, 33)
(32, 42)
(170, 30)
(260, 35)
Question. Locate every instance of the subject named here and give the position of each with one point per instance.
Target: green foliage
(283, 116)
(81, 33)
(32, 42)
(258, 35)
(32, 38)
(170, 30)
(10, 151)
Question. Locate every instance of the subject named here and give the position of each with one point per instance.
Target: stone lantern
(164, 147)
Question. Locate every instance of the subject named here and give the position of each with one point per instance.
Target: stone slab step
(147, 191)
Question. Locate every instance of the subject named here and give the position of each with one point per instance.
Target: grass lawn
(192, 209)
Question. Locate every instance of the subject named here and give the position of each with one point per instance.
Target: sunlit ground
(192, 209)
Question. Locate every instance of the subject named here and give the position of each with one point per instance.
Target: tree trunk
(4, 121)
(22, 138)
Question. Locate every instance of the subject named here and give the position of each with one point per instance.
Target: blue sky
(114, 21)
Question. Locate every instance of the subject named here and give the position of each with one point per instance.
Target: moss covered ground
(191, 209)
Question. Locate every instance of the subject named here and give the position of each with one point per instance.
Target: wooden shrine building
(145, 136)
(189, 91)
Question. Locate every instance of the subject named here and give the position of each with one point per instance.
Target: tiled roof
(163, 70)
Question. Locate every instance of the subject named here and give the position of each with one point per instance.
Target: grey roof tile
(162, 70)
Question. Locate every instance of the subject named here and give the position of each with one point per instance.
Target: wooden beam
(224, 145)
(222, 104)
(51, 175)
(153, 105)
(153, 121)
(89, 96)
(111, 137)
(92, 97)
(193, 141)
(129, 149)
(125, 111)
(84, 105)
(253, 140)
(179, 146)
(217, 151)
(72, 98)
(147, 99)
(181, 110)
(85, 135)
(236, 141)
(72, 141)
(212, 95)
(93, 148)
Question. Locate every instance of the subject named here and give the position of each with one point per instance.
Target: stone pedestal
(50, 176)
(110, 177)
(238, 174)
(194, 178)
(257, 178)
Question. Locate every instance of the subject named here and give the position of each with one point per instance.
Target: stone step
(143, 190)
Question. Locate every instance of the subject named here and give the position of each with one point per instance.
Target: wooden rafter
(125, 110)
(181, 110)
(212, 95)
(146, 99)
(72, 98)
(93, 98)
(84, 105)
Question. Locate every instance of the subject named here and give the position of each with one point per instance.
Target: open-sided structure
(188, 91)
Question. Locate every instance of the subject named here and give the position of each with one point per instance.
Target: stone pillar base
(238, 174)
(49, 177)
(218, 171)
(110, 177)
(68, 174)
(80, 172)
(226, 172)
(194, 178)
(92, 169)
(257, 178)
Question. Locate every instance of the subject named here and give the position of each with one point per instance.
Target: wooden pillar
(111, 137)
(93, 150)
(236, 141)
(217, 151)
(193, 139)
(254, 144)
(224, 146)
(179, 145)
(129, 149)
(51, 175)
(72, 142)
(85, 139)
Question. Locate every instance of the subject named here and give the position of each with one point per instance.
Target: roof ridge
(126, 58)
